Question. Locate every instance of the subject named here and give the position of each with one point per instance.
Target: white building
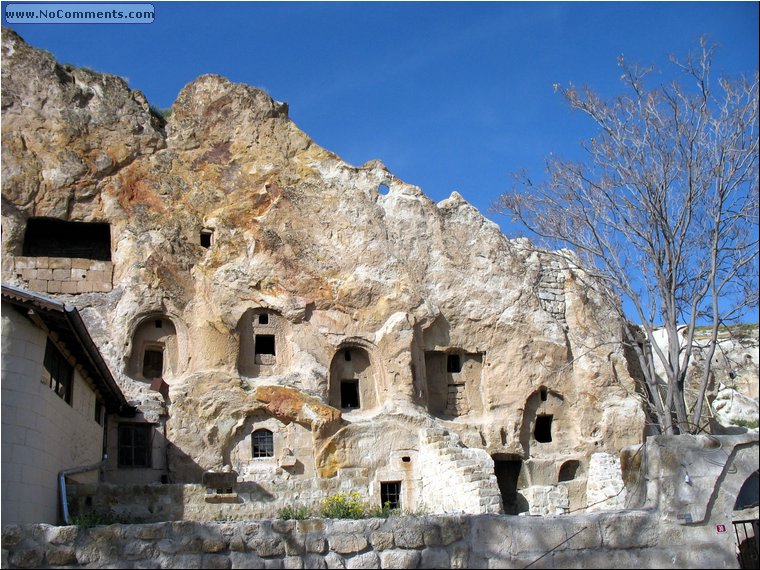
(57, 394)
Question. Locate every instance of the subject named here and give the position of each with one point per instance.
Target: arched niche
(569, 471)
(354, 379)
(264, 348)
(748, 495)
(156, 349)
(264, 445)
(546, 425)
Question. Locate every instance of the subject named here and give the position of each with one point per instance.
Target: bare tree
(662, 212)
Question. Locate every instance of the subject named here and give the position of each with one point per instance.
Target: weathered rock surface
(298, 234)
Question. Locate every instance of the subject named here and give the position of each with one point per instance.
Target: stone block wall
(600, 540)
(604, 488)
(64, 275)
(551, 290)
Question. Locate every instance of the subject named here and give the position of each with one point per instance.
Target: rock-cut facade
(289, 326)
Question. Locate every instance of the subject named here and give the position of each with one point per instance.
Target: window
(99, 412)
(349, 394)
(135, 445)
(347, 355)
(263, 319)
(58, 372)
(262, 443)
(153, 363)
(207, 238)
(264, 344)
(390, 494)
(544, 394)
(48, 237)
(453, 364)
(543, 430)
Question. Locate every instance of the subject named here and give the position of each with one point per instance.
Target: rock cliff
(250, 258)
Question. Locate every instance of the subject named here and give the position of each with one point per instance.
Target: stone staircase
(459, 478)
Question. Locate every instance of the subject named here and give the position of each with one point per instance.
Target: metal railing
(747, 542)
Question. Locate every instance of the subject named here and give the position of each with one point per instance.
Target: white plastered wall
(41, 433)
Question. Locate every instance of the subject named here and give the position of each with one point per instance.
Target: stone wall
(64, 274)
(601, 540)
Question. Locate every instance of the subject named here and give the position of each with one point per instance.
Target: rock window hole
(406, 459)
(544, 394)
(48, 237)
(390, 494)
(264, 344)
(383, 190)
(453, 363)
(349, 394)
(263, 319)
(543, 429)
(207, 238)
(347, 355)
(159, 323)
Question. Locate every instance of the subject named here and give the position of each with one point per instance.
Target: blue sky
(450, 96)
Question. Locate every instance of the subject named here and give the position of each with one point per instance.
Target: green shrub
(91, 519)
(750, 424)
(344, 506)
(294, 513)
(383, 512)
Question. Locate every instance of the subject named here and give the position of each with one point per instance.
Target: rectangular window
(264, 344)
(207, 238)
(262, 443)
(453, 364)
(263, 319)
(59, 372)
(349, 394)
(543, 430)
(390, 494)
(135, 445)
(99, 412)
(48, 237)
(153, 363)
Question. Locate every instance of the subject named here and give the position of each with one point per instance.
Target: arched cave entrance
(155, 349)
(353, 382)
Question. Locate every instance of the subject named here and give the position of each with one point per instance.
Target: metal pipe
(62, 484)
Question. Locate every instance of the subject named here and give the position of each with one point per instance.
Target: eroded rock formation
(263, 280)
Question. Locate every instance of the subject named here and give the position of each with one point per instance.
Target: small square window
(264, 344)
(390, 494)
(207, 238)
(263, 319)
(347, 355)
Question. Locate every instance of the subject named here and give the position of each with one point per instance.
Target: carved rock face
(229, 211)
